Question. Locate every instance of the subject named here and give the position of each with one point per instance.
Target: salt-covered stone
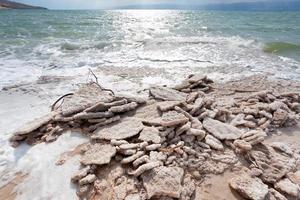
(248, 187)
(126, 128)
(167, 94)
(150, 134)
(288, 187)
(163, 181)
(221, 130)
(98, 154)
(173, 118)
(214, 142)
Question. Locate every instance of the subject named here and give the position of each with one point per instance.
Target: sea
(224, 45)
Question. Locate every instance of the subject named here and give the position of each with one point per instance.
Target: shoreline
(225, 93)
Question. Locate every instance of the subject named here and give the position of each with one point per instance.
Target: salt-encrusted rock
(101, 106)
(275, 195)
(167, 105)
(82, 190)
(221, 130)
(85, 97)
(96, 115)
(200, 134)
(188, 188)
(243, 145)
(131, 98)
(141, 160)
(126, 128)
(98, 154)
(248, 187)
(145, 167)
(80, 174)
(132, 158)
(274, 164)
(294, 177)
(150, 134)
(163, 181)
(129, 146)
(183, 128)
(214, 142)
(197, 105)
(280, 117)
(254, 136)
(167, 94)
(35, 124)
(88, 179)
(152, 147)
(123, 108)
(173, 118)
(288, 187)
(133, 197)
(158, 156)
(197, 78)
(282, 147)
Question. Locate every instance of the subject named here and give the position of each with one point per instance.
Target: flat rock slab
(221, 130)
(86, 96)
(274, 164)
(167, 94)
(124, 129)
(173, 118)
(35, 124)
(98, 154)
(248, 187)
(163, 181)
(150, 134)
(288, 187)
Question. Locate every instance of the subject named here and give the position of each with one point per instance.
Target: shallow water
(223, 44)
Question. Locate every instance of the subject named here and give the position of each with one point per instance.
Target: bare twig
(97, 83)
(60, 98)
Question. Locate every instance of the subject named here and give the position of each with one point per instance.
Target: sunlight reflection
(145, 24)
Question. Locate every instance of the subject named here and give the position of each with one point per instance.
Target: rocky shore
(168, 145)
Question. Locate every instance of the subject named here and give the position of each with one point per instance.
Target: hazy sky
(98, 4)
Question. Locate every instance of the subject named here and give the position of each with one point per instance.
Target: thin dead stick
(60, 98)
(97, 83)
(94, 75)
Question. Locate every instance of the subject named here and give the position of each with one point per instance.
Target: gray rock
(98, 154)
(88, 179)
(275, 195)
(35, 124)
(126, 128)
(167, 94)
(221, 130)
(214, 143)
(250, 188)
(173, 118)
(288, 187)
(274, 164)
(294, 177)
(163, 181)
(150, 134)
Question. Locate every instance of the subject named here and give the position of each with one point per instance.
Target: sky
(102, 4)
